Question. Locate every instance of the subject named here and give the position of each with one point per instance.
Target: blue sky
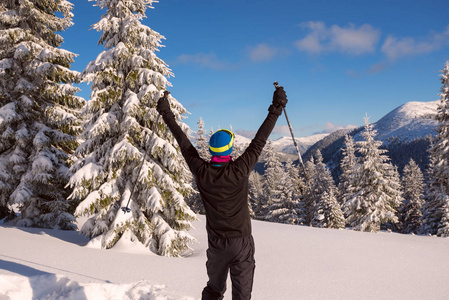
(337, 60)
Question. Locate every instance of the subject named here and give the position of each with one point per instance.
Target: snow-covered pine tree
(410, 210)
(273, 175)
(443, 228)
(347, 167)
(124, 130)
(327, 213)
(438, 187)
(279, 205)
(202, 144)
(308, 197)
(286, 209)
(298, 186)
(430, 215)
(39, 112)
(255, 194)
(376, 191)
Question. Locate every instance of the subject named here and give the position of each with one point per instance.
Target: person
(223, 185)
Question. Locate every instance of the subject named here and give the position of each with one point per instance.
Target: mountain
(285, 144)
(241, 140)
(284, 148)
(407, 122)
(405, 132)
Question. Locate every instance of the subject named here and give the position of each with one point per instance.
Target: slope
(293, 262)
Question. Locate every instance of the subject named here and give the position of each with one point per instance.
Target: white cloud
(312, 42)
(210, 61)
(262, 52)
(354, 40)
(395, 48)
(350, 39)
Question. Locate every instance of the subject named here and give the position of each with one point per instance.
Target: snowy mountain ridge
(407, 122)
(285, 144)
(402, 131)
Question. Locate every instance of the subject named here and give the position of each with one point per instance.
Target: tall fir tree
(376, 192)
(194, 201)
(272, 182)
(298, 186)
(39, 112)
(443, 228)
(308, 194)
(438, 187)
(347, 168)
(287, 208)
(129, 155)
(410, 210)
(327, 212)
(430, 215)
(282, 205)
(255, 194)
(202, 144)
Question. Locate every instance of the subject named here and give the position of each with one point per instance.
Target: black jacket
(224, 189)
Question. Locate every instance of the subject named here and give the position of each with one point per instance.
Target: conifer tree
(347, 168)
(272, 182)
(298, 186)
(327, 212)
(202, 144)
(438, 189)
(430, 214)
(309, 203)
(255, 193)
(410, 210)
(129, 155)
(280, 203)
(376, 191)
(194, 200)
(287, 209)
(443, 228)
(39, 112)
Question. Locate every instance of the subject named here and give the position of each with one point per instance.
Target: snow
(292, 262)
(285, 144)
(407, 122)
(8, 113)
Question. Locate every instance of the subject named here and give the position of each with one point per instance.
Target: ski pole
(276, 85)
(126, 209)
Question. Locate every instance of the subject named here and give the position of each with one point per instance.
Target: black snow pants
(230, 254)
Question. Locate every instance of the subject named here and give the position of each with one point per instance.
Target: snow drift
(292, 262)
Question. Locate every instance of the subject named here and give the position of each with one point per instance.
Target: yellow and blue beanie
(221, 143)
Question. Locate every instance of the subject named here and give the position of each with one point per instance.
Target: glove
(279, 101)
(279, 97)
(163, 107)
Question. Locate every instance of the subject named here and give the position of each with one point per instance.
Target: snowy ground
(292, 262)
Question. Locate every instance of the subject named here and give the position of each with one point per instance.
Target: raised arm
(249, 158)
(188, 151)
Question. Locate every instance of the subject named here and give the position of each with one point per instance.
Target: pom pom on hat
(221, 143)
